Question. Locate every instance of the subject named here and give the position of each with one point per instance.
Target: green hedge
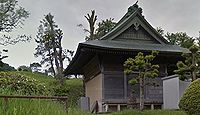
(190, 101)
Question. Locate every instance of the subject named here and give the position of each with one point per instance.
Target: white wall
(171, 93)
(182, 87)
(93, 90)
(173, 89)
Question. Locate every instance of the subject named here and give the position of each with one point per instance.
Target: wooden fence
(59, 98)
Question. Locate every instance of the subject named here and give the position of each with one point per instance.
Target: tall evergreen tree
(181, 39)
(49, 40)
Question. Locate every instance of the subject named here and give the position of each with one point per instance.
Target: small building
(173, 89)
(101, 62)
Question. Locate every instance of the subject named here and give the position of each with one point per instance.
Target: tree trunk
(141, 92)
(60, 56)
(51, 62)
(193, 71)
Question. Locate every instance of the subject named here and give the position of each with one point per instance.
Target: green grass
(72, 88)
(36, 107)
(149, 112)
(38, 76)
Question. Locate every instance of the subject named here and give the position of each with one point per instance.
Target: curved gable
(134, 27)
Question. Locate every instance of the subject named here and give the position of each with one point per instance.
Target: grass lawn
(149, 112)
(36, 107)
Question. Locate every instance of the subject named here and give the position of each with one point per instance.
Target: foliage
(189, 69)
(49, 40)
(72, 88)
(102, 28)
(6, 67)
(190, 101)
(149, 112)
(12, 16)
(160, 31)
(13, 83)
(41, 77)
(181, 39)
(24, 68)
(35, 67)
(3, 56)
(178, 38)
(143, 65)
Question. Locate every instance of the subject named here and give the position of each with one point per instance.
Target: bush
(73, 88)
(13, 83)
(190, 102)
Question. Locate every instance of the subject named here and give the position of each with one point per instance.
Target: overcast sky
(171, 15)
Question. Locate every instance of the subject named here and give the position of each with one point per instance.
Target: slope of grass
(73, 88)
(39, 76)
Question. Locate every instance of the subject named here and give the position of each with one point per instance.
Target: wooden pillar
(152, 106)
(125, 86)
(166, 73)
(118, 107)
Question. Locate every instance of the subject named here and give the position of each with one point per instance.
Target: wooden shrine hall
(101, 62)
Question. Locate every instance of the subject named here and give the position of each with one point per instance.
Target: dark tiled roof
(131, 46)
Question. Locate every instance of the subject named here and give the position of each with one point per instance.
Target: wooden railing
(59, 98)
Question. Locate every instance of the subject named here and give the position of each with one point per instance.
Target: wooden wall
(116, 85)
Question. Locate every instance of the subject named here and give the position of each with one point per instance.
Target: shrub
(73, 88)
(13, 83)
(190, 101)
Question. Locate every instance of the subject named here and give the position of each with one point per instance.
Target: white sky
(171, 15)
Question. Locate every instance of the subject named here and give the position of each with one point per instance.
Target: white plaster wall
(93, 90)
(171, 93)
(182, 87)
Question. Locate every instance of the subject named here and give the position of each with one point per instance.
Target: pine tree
(142, 64)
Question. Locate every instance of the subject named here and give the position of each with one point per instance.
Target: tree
(35, 67)
(91, 20)
(181, 39)
(160, 31)
(6, 67)
(49, 40)
(12, 16)
(102, 28)
(142, 64)
(189, 69)
(24, 68)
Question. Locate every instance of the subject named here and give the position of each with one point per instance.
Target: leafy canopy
(142, 64)
(12, 16)
(189, 69)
